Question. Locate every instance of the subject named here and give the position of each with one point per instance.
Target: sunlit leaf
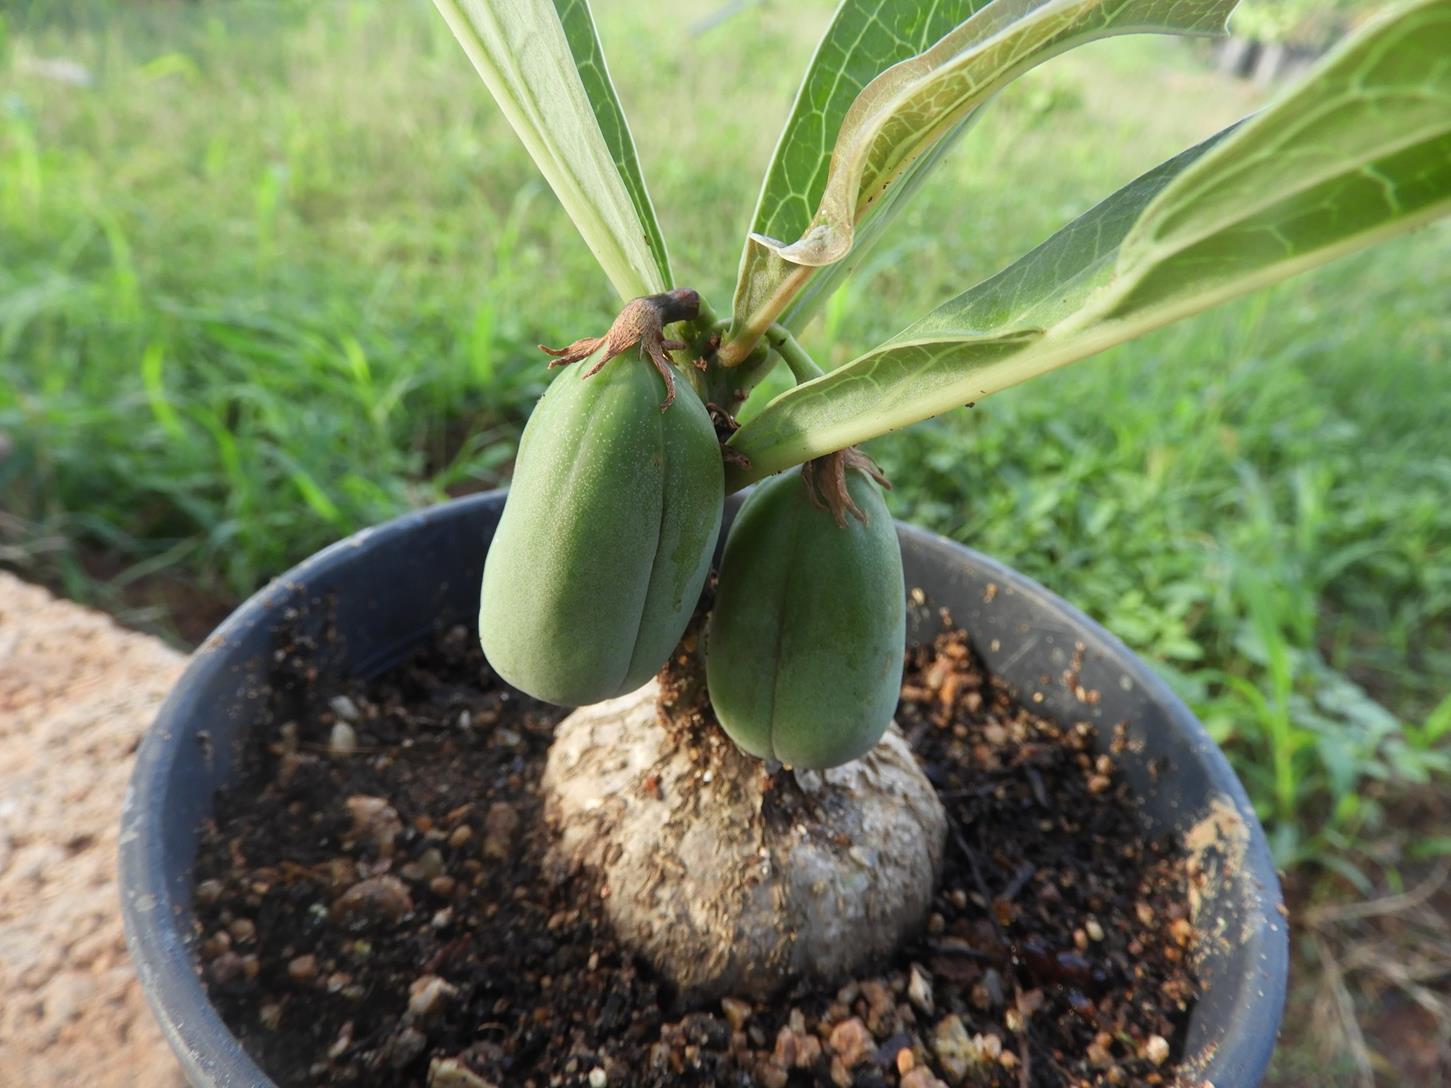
(1357, 152)
(865, 38)
(542, 63)
(900, 123)
(589, 61)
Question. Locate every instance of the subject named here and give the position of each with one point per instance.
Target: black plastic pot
(387, 587)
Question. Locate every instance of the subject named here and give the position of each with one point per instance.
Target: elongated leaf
(1358, 152)
(865, 38)
(904, 117)
(542, 62)
(589, 61)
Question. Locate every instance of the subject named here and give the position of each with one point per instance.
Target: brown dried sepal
(725, 425)
(825, 480)
(641, 322)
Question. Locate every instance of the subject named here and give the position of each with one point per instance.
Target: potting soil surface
(372, 909)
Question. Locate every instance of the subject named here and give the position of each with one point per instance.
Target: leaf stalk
(802, 366)
(742, 342)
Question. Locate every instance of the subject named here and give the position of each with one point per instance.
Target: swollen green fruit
(605, 539)
(805, 645)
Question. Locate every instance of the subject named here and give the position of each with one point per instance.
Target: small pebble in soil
(342, 740)
(384, 920)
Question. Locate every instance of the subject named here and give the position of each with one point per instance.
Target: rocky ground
(76, 694)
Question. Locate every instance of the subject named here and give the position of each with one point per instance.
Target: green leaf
(543, 64)
(589, 61)
(898, 126)
(865, 38)
(1357, 152)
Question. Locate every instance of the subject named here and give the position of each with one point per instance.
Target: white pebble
(344, 708)
(919, 990)
(343, 741)
(597, 1078)
(1157, 1050)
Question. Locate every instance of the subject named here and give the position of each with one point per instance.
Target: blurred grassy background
(271, 271)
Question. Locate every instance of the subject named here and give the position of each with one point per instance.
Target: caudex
(607, 537)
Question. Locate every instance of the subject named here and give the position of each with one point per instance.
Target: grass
(272, 271)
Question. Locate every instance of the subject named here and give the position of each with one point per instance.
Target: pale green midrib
(981, 90)
(522, 111)
(872, 227)
(1063, 343)
(743, 275)
(628, 164)
(1158, 253)
(789, 127)
(759, 223)
(1131, 275)
(1269, 272)
(966, 101)
(1068, 37)
(975, 100)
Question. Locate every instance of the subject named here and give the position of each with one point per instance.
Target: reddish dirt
(76, 694)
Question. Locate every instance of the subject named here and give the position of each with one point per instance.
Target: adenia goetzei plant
(608, 532)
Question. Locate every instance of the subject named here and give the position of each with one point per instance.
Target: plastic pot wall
(384, 590)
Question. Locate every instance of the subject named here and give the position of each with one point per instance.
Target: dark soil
(372, 909)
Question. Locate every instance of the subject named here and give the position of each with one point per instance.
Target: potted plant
(394, 862)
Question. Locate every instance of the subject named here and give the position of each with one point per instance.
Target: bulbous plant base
(729, 879)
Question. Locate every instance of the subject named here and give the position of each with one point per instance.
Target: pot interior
(368, 600)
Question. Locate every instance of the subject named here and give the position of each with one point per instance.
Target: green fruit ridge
(806, 641)
(606, 536)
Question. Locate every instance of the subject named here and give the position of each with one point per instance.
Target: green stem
(696, 332)
(803, 366)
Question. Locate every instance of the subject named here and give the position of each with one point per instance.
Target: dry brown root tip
(641, 322)
(825, 480)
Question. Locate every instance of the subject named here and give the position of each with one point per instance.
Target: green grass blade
(1438, 722)
(899, 123)
(1357, 152)
(545, 70)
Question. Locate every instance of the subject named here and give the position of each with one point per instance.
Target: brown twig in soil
(974, 954)
(641, 322)
(1019, 882)
(971, 856)
(1035, 782)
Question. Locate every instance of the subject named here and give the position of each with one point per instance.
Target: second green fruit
(806, 641)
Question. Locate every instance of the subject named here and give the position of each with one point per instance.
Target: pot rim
(155, 909)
